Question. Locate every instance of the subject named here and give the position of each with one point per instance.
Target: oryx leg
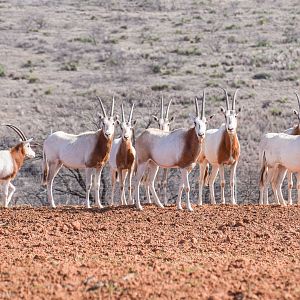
(298, 188)
(113, 175)
(164, 185)
(278, 183)
(212, 178)
(290, 186)
(10, 194)
(222, 183)
(88, 184)
(153, 169)
(202, 170)
(97, 180)
(232, 182)
(272, 177)
(139, 174)
(123, 174)
(186, 184)
(130, 174)
(54, 168)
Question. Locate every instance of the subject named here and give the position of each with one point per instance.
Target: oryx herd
(141, 158)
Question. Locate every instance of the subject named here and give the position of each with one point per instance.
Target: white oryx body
(89, 151)
(163, 124)
(282, 151)
(122, 158)
(177, 149)
(11, 162)
(270, 172)
(221, 147)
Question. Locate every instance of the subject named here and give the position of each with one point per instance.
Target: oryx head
(164, 121)
(23, 139)
(230, 114)
(127, 127)
(297, 113)
(107, 123)
(200, 120)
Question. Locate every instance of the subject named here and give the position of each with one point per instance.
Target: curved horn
(226, 99)
(131, 112)
(162, 107)
(123, 114)
(197, 107)
(203, 105)
(101, 105)
(17, 130)
(112, 106)
(168, 108)
(234, 99)
(298, 98)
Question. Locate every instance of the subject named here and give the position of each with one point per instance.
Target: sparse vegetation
(69, 66)
(2, 71)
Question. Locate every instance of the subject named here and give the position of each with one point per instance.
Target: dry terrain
(217, 252)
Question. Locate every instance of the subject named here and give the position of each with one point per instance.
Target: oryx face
(200, 127)
(164, 124)
(127, 131)
(28, 150)
(230, 121)
(108, 126)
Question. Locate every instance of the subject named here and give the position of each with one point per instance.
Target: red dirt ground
(217, 252)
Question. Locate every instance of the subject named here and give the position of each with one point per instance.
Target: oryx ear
(155, 118)
(295, 112)
(118, 122)
(99, 116)
(116, 117)
(239, 110)
(172, 119)
(134, 123)
(212, 116)
(222, 110)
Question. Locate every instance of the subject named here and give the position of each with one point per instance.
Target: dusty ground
(217, 252)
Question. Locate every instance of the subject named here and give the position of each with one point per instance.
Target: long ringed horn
(197, 107)
(168, 108)
(298, 98)
(162, 107)
(203, 105)
(102, 106)
(123, 114)
(18, 131)
(112, 107)
(131, 112)
(234, 99)
(226, 99)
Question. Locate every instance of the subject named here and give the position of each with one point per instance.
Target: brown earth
(217, 252)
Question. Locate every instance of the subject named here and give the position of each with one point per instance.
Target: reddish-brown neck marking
(229, 145)
(18, 157)
(100, 154)
(125, 156)
(296, 130)
(191, 150)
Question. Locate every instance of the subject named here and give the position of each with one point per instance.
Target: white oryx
(122, 158)
(164, 125)
(270, 173)
(221, 147)
(176, 149)
(88, 150)
(11, 162)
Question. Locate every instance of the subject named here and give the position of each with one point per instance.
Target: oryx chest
(7, 165)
